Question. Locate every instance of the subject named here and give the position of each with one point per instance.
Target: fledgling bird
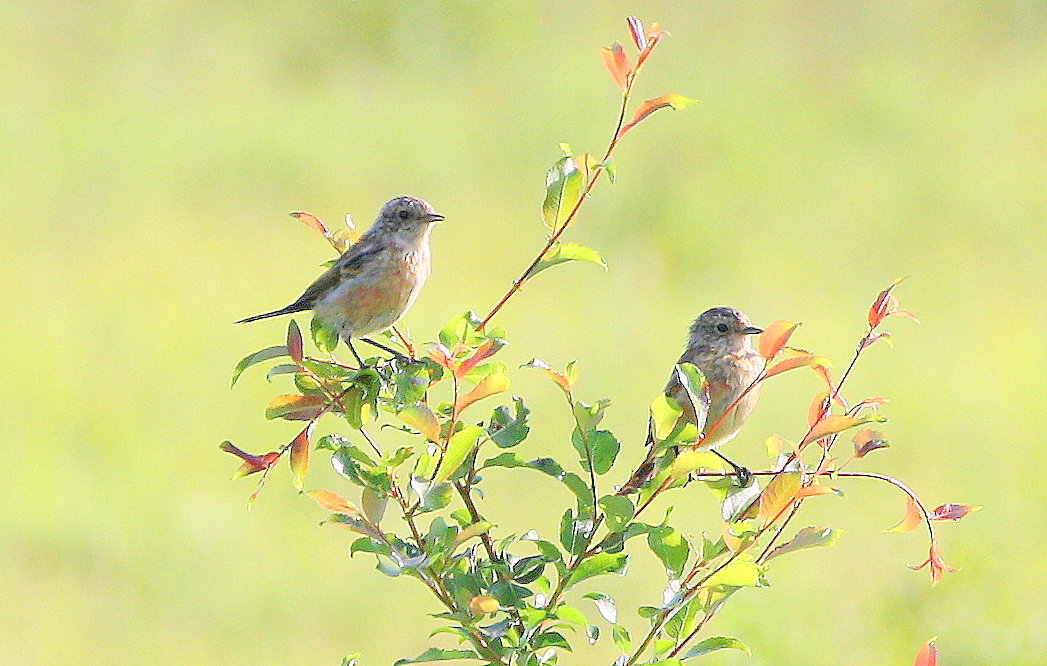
(376, 280)
(719, 345)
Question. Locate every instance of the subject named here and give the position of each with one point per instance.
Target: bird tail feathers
(275, 313)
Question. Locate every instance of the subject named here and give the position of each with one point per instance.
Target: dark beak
(751, 330)
(434, 217)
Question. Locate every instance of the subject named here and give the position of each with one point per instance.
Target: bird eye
(721, 328)
(404, 214)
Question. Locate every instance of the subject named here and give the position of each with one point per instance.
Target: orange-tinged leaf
(936, 563)
(885, 305)
(815, 489)
(422, 419)
(560, 379)
(492, 384)
(673, 101)
(953, 511)
(802, 361)
(779, 494)
(866, 441)
(333, 502)
(300, 456)
(313, 222)
(835, 423)
(485, 351)
(483, 605)
(617, 64)
(818, 409)
(353, 233)
(295, 407)
(913, 518)
(882, 335)
(294, 342)
(927, 655)
(441, 356)
(476, 529)
(775, 337)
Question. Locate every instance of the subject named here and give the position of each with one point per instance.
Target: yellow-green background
(149, 153)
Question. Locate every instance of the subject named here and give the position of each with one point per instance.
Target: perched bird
(376, 280)
(719, 346)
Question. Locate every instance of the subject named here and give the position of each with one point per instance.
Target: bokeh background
(151, 152)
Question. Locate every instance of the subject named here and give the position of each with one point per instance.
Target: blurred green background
(152, 150)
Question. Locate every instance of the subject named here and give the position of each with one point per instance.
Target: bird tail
(275, 313)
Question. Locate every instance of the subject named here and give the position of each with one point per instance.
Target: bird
(374, 282)
(719, 345)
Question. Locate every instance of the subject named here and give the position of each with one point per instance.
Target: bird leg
(349, 341)
(743, 475)
(384, 348)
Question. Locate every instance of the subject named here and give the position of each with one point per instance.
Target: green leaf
(605, 606)
(671, 548)
(666, 662)
(808, 537)
(610, 169)
(461, 329)
(432, 495)
(257, 357)
(737, 500)
(563, 189)
(507, 430)
(571, 615)
(459, 447)
(589, 416)
(603, 447)
(694, 383)
(599, 565)
(282, 369)
(324, 334)
(664, 413)
(561, 253)
(740, 573)
(715, 643)
(618, 511)
(437, 654)
(574, 483)
(620, 636)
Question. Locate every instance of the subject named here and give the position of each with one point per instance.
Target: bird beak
(751, 330)
(435, 218)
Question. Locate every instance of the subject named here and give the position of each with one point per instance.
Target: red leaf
(300, 456)
(617, 63)
(913, 518)
(654, 35)
(927, 655)
(775, 337)
(252, 463)
(672, 100)
(866, 441)
(870, 339)
(953, 511)
(294, 342)
(486, 350)
(636, 29)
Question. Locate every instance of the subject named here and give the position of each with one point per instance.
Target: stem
(526, 275)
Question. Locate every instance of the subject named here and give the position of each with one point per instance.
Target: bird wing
(346, 267)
